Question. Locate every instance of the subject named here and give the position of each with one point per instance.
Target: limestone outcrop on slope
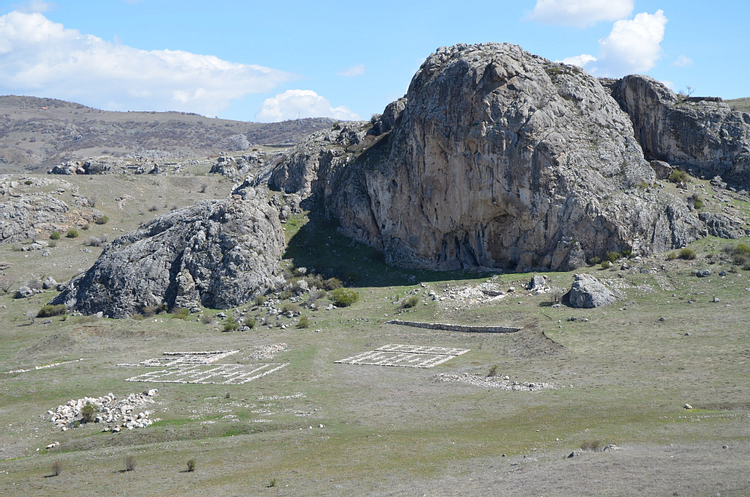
(217, 253)
(495, 158)
(691, 132)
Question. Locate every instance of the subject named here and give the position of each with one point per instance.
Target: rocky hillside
(37, 133)
(496, 158)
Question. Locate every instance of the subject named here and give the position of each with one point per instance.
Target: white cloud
(30, 6)
(683, 61)
(580, 13)
(353, 71)
(40, 57)
(668, 84)
(301, 103)
(633, 46)
(579, 60)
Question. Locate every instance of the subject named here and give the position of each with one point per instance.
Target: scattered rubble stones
(502, 382)
(118, 414)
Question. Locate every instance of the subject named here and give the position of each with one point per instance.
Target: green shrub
(611, 256)
(55, 235)
(410, 302)
(606, 265)
(86, 226)
(207, 319)
(150, 310)
(289, 307)
(686, 254)
(259, 300)
(191, 465)
(678, 176)
(72, 233)
(250, 323)
(102, 220)
(626, 252)
(28, 182)
(51, 310)
(231, 324)
(332, 284)
(303, 322)
(344, 297)
(697, 201)
(740, 254)
(595, 260)
(671, 256)
(180, 313)
(52, 244)
(88, 413)
(493, 371)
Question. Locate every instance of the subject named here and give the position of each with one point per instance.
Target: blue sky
(269, 61)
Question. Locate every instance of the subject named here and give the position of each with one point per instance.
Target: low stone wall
(455, 327)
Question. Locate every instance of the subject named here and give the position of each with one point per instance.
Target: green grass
(623, 377)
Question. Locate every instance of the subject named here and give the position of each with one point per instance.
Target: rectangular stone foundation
(410, 356)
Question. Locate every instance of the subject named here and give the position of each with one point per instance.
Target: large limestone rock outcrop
(496, 158)
(700, 133)
(218, 253)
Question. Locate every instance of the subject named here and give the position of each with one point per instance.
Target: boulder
(49, 283)
(24, 292)
(588, 292)
(691, 132)
(661, 168)
(217, 253)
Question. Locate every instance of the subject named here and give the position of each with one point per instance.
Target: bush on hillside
(51, 310)
(344, 297)
(686, 254)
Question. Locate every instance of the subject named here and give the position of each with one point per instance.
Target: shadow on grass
(319, 247)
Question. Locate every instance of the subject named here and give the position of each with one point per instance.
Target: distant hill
(36, 133)
(740, 104)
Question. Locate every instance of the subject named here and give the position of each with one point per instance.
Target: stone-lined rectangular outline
(235, 374)
(397, 355)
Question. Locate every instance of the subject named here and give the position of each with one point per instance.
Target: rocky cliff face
(214, 253)
(700, 133)
(498, 158)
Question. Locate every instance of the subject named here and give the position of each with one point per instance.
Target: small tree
(55, 235)
(72, 233)
(129, 463)
(56, 468)
(88, 413)
(303, 322)
(191, 465)
(231, 324)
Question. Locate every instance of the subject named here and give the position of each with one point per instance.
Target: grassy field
(622, 375)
